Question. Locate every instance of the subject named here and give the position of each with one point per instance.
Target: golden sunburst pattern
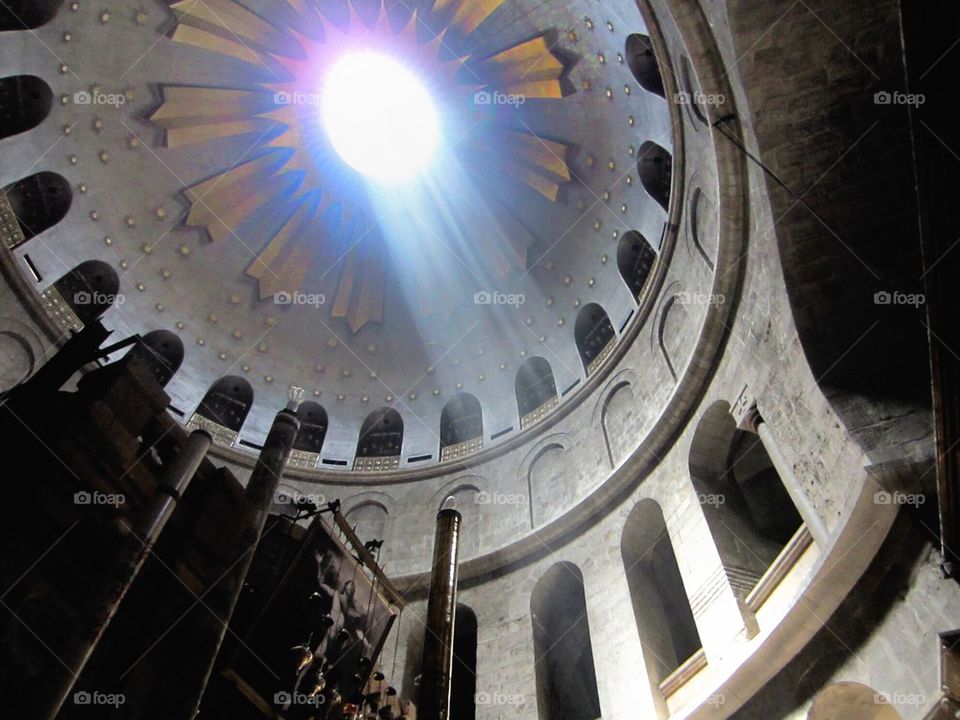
(313, 210)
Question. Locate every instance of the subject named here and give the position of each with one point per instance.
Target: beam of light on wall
(380, 117)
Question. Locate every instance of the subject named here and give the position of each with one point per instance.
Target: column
(441, 618)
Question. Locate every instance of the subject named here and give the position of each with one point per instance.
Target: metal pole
(257, 501)
(441, 619)
(135, 547)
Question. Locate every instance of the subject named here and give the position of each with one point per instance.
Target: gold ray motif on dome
(327, 231)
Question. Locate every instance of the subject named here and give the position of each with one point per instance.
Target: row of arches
(566, 677)
(565, 673)
(229, 400)
(751, 519)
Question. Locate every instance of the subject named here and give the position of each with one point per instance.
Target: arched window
(536, 391)
(668, 631)
(25, 102)
(643, 63)
(851, 701)
(563, 654)
(37, 203)
(635, 258)
(161, 352)
(463, 681)
(594, 336)
(748, 510)
(380, 442)
(89, 289)
(224, 409)
(27, 14)
(461, 427)
(368, 520)
(313, 431)
(655, 168)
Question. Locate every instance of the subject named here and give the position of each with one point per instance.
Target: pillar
(748, 418)
(137, 544)
(252, 517)
(441, 619)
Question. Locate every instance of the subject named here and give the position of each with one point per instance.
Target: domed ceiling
(191, 135)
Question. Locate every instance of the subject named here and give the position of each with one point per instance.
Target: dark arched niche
(27, 14)
(593, 333)
(313, 427)
(381, 434)
(563, 653)
(25, 102)
(643, 63)
(89, 289)
(227, 402)
(655, 169)
(665, 622)
(463, 681)
(461, 421)
(161, 352)
(38, 202)
(635, 259)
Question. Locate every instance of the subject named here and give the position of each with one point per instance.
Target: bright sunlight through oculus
(380, 117)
